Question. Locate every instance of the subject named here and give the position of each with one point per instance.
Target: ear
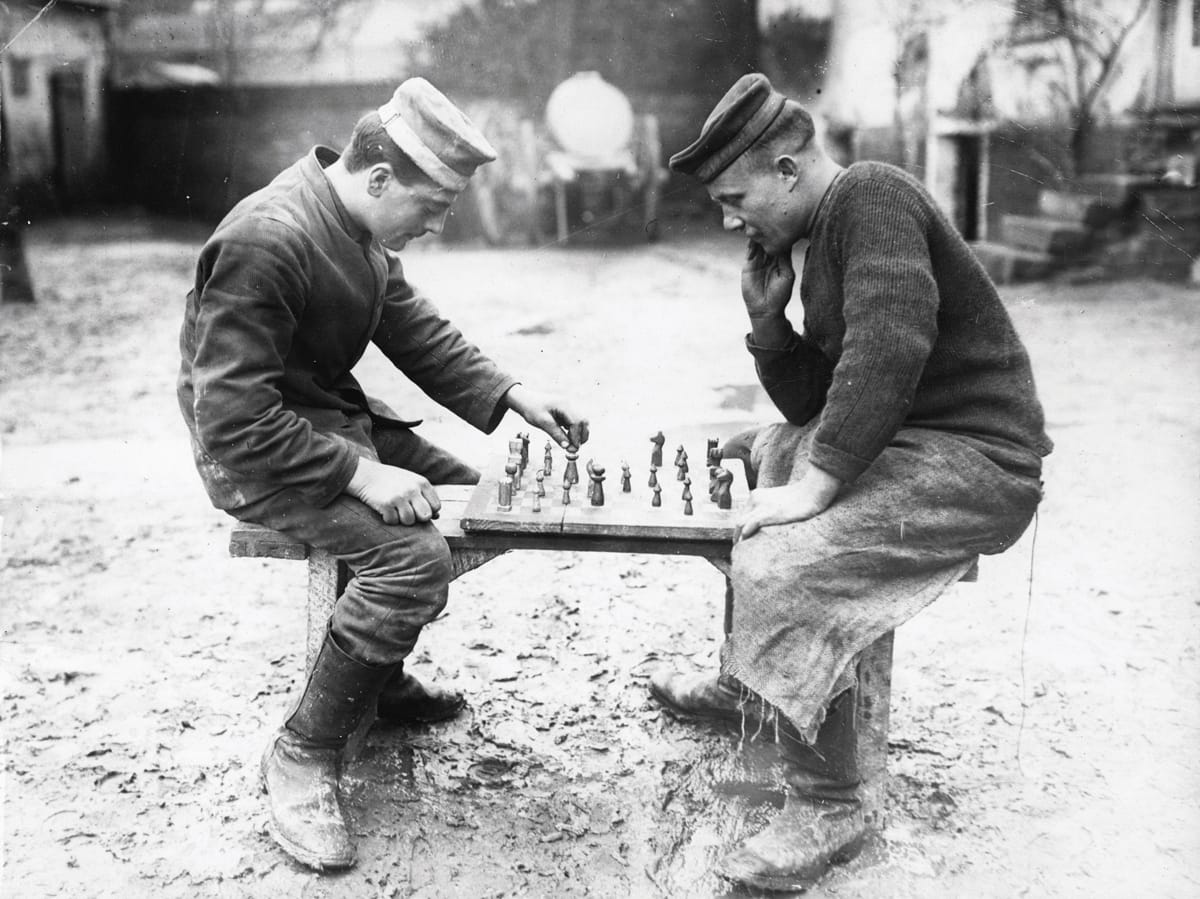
(787, 170)
(378, 177)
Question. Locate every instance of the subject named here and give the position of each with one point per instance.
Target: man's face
(401, 212)
(761, 202)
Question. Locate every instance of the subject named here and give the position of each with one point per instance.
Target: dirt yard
(1045, 719)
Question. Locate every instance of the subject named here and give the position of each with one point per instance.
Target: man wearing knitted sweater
(913, 443)
(289, 290)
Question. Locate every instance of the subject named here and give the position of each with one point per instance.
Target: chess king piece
(656, 454)
(626, 479)
(724, 480)
(572, 470)
(653, 482)
(657, 500)
(597, 475)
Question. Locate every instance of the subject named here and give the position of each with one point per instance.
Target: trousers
(401, 573)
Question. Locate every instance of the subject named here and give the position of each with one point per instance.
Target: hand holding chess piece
(551, 415)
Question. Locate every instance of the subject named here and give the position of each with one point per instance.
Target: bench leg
(874, 711)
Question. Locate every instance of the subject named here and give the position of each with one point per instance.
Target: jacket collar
(313, 170)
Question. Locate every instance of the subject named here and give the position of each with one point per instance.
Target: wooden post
(873, 711)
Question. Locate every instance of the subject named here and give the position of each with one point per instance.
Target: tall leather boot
(405, 700)
(302, 763)
(822, 819)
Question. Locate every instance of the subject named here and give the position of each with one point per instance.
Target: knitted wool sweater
(902, 328)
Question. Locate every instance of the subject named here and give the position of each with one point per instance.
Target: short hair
(791, 133)
(370, 145)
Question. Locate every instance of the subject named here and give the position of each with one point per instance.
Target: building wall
(66, 39)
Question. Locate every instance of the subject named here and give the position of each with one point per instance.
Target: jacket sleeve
(436, 357)
(250, 296)
(890, 311)
(795, 377)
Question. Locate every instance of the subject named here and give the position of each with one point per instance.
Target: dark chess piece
(653, 482)
(724, 480)
(626, 480)
(657, 500)
(548, 462)
(572, 470)
(540, 477)
(656, 454)
(687, 490)
(597, 474)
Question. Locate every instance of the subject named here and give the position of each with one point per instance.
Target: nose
(732, 222)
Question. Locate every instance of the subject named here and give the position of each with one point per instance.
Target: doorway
(69, 130)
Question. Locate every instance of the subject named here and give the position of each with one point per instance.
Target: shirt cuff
(768, 353)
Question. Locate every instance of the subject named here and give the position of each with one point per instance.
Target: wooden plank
(252, 541)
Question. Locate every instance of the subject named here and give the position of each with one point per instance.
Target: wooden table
(327, 578)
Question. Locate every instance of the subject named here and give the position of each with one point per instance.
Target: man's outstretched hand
(798, 501)
(566, 428)
(400, 496)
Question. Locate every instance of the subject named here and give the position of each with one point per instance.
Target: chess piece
(683, 468)
(656, 454)
(524, 450)
(504, 500)
(597, 475)
(653, 482)
(687, 507)
(548, 462)
(679, 454)
(713, 455)
(687, 490)
(566, 490)
(540, 477)
(537, 502)
(572, 470)
(515, 461)
(724, 480)
(626, 479)
(712, 481)
(657, 500)
(591, 480)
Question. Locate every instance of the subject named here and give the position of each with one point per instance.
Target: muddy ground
(1045, 720)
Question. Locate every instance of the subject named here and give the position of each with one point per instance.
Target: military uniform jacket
(287, 295)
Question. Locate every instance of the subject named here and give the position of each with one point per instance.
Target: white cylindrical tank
(590, 119)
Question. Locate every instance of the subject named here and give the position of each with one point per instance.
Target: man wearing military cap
(913, 442)
(289, 289)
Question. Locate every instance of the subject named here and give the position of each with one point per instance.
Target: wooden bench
(327, 577)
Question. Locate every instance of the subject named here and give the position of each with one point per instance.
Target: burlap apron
(810, 596)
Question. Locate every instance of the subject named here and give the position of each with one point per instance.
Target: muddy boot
(405, 700)
(301, 765)
(707, 696)
(822, 820)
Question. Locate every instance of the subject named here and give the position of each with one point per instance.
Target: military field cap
(435, 134)
(736, 122)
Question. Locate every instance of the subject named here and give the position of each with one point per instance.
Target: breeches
(401, 574)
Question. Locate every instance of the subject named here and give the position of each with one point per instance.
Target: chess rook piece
(597, 475)
(724, 481)
(626, 479)
(540, 477)
(572, 470)
(653, 482)
(657, 500)
(504, 500)
(656, 454)
(548, 461)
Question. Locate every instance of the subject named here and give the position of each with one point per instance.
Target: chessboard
(628, 508)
